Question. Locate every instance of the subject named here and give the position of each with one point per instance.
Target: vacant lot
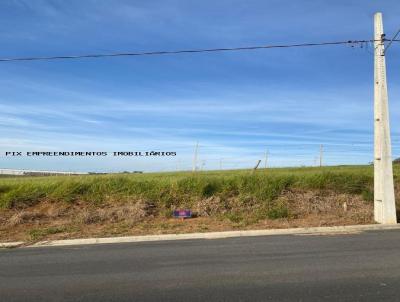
(35, 208)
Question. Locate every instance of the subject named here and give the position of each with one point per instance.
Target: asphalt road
(358, 267)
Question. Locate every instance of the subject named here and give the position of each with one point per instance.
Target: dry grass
(24, 216)
(130, 213)
(309, 203)
(301, 208)
(210, 206)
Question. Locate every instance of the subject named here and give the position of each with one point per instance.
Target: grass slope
(180, 189)
(242, 198)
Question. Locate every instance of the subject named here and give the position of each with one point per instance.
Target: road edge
(208, 235)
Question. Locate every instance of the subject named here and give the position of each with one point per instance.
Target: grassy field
(40, 207)
(180, 189)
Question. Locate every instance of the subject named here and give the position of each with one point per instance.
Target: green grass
(168, 190)
(37, 234)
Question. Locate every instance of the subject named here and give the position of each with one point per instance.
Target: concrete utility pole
(178, 164)
(384, 202)
(321, 151)
(195, 157)
(266, 159)
(203, 163)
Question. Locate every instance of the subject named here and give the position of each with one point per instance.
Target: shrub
(367, 195)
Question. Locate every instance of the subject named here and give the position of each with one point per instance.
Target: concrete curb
(11, 244)
(210, 235)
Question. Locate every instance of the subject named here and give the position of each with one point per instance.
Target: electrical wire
(154, 53)
(391, 41)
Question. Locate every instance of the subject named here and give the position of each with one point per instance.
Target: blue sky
(235, 104)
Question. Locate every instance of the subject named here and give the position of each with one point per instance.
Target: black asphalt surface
(358, 267)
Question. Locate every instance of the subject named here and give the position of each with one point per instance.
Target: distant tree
(397, 161)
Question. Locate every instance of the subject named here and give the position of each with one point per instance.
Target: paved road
(358, 267)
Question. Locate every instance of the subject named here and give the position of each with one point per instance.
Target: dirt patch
(294, 208)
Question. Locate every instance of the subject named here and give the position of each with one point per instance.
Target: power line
(391, 41)
(154, 53)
